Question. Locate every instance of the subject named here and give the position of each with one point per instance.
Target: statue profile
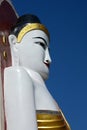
(27, 102)
(25, 87)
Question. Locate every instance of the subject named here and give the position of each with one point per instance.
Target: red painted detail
(7, 15)
(7, 19)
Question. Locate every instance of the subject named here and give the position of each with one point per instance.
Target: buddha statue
(28, 103)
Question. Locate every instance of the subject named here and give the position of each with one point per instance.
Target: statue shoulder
(17, 73)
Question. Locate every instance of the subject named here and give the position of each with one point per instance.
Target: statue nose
(47, 61)
(47, 57)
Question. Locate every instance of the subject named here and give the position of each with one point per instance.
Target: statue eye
(41, 44)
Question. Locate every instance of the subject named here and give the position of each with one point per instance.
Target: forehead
(35, 34)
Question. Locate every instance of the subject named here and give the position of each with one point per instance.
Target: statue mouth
(47, 64)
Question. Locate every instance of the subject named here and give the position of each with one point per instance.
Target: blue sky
(66, 21)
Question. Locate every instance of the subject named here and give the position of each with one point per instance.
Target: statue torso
(43, 98)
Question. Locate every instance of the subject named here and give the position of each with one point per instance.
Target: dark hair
(22, 21)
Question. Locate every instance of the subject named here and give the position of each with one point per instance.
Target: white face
(33, 51)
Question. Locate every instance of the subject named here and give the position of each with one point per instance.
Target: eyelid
(41, 44)
(41, 39)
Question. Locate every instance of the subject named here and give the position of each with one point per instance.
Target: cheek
(32, 53)
(38, 53)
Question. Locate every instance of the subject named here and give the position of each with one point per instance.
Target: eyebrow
(42, 39)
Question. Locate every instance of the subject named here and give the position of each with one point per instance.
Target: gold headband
(29, 27)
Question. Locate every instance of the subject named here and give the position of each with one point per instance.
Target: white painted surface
(25, 89)
(19, 100)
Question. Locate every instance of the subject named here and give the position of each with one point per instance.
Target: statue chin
(43, 72)
(39, 68)
(44, 75)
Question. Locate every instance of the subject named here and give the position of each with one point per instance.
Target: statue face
(33, 51)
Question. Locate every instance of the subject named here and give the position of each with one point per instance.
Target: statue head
(29, 42)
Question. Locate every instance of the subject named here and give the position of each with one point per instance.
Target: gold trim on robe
(51, 120)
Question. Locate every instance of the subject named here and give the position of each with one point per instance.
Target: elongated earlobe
(14, 50)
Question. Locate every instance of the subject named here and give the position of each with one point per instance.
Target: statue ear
(14, 49)
(13, 43)
(12, 39)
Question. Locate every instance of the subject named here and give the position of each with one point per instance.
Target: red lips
(47, 64)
